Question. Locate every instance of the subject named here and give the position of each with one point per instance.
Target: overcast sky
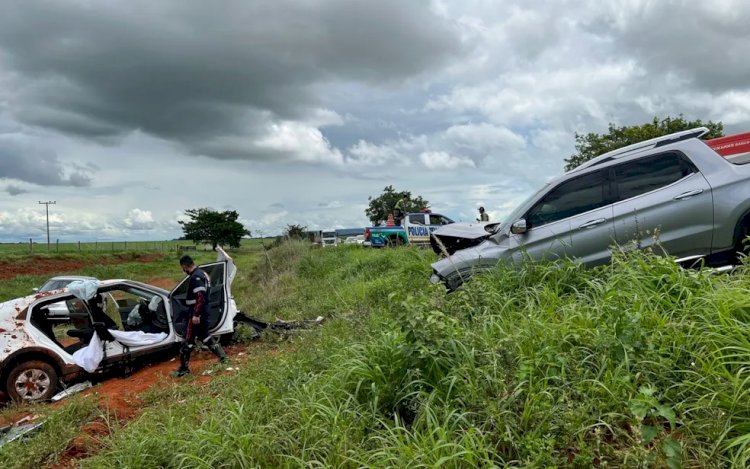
(295, 111)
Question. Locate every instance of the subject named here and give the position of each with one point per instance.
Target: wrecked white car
(111, 323)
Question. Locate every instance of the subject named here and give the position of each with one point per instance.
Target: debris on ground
(71, 390)
(19, 428)
(279, 325)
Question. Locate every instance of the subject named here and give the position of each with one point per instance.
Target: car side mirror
(519, 227)
(35, 290)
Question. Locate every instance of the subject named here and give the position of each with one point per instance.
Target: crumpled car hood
(465, 230)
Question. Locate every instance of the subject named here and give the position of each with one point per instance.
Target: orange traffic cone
(390, 221)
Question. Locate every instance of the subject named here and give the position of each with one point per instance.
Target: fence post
(96, 245)
(57, 245)
(31, 246)
(126, 246)
(79, 246)
(113, 246)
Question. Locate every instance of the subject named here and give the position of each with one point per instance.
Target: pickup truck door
(574, 219)
(665, 197)
(416, 228)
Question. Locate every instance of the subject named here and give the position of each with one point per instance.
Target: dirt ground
(122, 395)
(122, 398)
(37, 265)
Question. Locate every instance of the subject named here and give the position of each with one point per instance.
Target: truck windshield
(329, 234)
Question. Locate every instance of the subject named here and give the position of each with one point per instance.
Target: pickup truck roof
(645, 145)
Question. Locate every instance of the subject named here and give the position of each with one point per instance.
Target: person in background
(483, 215)
(399, 210)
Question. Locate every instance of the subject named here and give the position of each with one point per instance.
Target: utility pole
(47, 204)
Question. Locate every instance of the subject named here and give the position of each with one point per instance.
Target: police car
(415, 229)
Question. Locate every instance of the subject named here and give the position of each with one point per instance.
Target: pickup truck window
(439, 220)
(570, 198)
(416, 218)
(647, 174)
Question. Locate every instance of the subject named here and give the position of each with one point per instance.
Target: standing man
(398, 210)
(197, 326)
(483, 215)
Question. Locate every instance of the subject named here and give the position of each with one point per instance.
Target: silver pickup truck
(672, 190)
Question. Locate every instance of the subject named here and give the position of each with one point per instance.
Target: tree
(210, 226)
(295, 232)
(591, 145)
(381, 206)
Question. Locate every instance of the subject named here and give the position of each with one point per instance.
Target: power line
(47, 204)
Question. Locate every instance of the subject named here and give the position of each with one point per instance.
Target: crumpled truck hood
(465, 230)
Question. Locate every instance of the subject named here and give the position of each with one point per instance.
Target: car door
(217, 299)
(574, 219)
(663, 196)
(416, 229)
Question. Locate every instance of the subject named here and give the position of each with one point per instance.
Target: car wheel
(395, 241)
(30, 381)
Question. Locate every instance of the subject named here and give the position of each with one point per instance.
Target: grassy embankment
(634, 364)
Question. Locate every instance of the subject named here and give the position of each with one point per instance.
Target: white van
(328, 238)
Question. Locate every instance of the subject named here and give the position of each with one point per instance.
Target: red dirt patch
(122, 397)
(164, 283)
(38, 265)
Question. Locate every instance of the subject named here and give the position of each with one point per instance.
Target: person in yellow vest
(399, 210)
(483, 215)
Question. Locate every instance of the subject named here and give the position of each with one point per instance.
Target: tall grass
(636, 364)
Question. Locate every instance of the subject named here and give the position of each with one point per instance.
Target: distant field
(111, 246)
(20, 271)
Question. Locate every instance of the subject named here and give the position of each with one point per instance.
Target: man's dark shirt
(197, 294)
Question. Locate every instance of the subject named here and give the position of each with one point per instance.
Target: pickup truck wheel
(395, 241)
(740, 247)
(31, 381)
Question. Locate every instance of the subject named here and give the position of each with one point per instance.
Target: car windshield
(517, 212)
(54, 284)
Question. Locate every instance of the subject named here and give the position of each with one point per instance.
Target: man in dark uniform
(197, 326)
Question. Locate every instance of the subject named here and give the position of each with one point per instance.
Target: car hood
(466, 230)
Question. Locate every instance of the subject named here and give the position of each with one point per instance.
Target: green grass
(42, 446)
(636, 364)
(103, 247)
(106, 265)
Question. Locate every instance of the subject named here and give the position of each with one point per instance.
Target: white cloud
(138, 219)
(442, 160)
(487, 127)
(303, 142)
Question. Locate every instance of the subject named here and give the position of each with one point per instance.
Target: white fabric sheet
(91, 356)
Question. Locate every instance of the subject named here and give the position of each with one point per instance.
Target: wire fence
(34, 247)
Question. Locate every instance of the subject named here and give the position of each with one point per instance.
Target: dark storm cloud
(15, 190)
(197, 73)
(705, 44)
(24, 162)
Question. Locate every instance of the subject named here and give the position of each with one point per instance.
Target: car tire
(395, 241)
(31, 381)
